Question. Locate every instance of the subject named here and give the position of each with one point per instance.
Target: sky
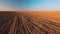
(48, 5)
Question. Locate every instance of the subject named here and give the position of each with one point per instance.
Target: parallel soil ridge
(27, 23)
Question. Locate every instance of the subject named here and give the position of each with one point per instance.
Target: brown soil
(29, 22)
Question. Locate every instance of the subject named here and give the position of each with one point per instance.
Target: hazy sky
(30, 4)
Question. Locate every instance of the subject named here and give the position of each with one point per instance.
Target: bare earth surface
(14, 22)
